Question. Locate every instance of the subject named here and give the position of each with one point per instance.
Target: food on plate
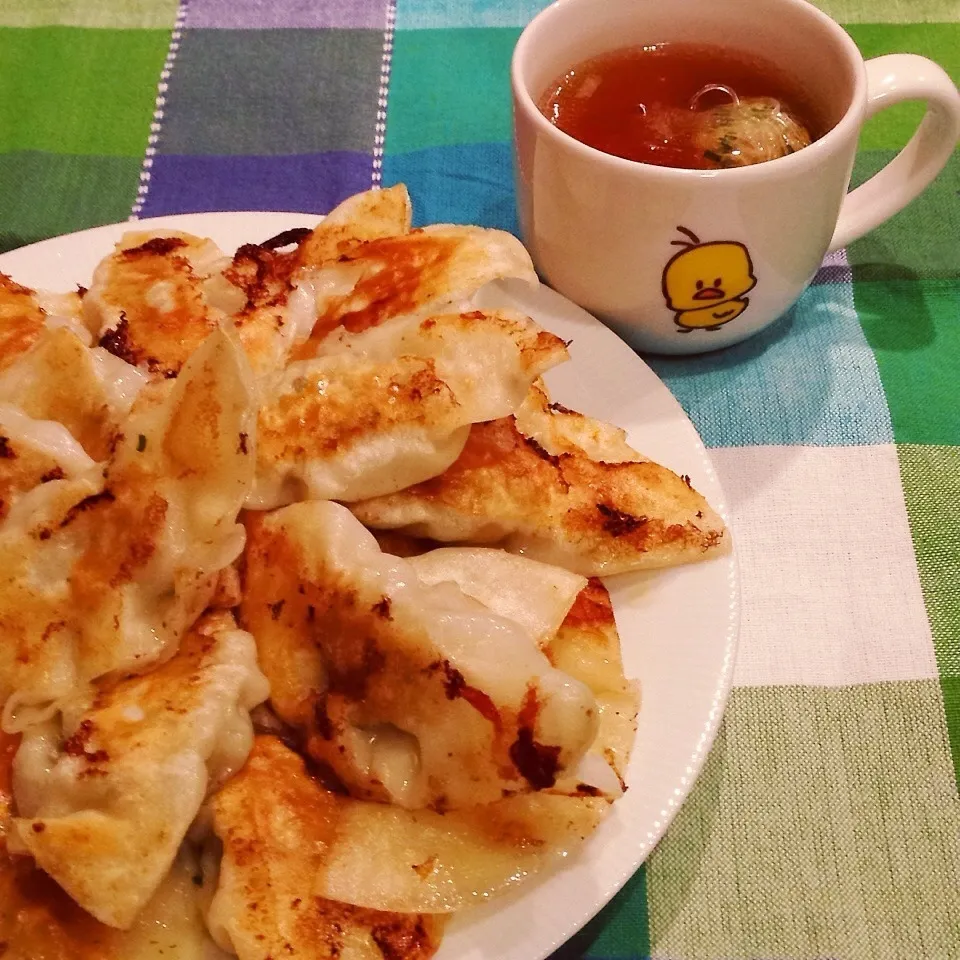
(429, 699)
(39, 921)
(106, 796)
(371, 215)
(33, 452)
(381, 410)
(108, 571)
(150, 300)
(313, 490)
(423, 271)
(537, 595)
(277, 826)
(559, 487)
(379, 856)
(89, 391)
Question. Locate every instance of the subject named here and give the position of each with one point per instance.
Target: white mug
(628, 241)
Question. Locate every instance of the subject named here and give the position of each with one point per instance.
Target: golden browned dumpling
(422, 271)
(106, 571)
(371, 215)
(381, 410)
(279, 824)
(558, 487)
(105, 798)
(412, 693)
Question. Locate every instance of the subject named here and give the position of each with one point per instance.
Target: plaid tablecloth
(827, 821)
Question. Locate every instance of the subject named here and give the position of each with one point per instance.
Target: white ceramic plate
(678, 627)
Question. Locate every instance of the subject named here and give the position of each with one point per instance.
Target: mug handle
(893, 79)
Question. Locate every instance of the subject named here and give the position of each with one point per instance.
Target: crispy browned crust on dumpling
(395, 275)
(276, 824)
(39, 921)
(340, 429)
(21, 320)
(592, 517)
(106, 802)
(324, 413)
(157, 301)
(377, 855)
(364, 216)
(26, 463)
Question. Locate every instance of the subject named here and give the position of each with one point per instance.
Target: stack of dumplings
(303, 646)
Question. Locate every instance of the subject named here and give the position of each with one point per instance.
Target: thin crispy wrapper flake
(381, 857)
(276, 826)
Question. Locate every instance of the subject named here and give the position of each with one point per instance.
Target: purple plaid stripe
(271, 14)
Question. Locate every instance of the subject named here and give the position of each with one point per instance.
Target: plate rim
(611, 885)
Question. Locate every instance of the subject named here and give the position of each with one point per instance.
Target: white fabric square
(831, 593)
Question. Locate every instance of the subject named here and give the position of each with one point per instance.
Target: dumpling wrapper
(106, 572)
(558, 487)
(38, 919)
(33, 452)
(370, 215)
(587, 646)
(411, 693)
(336, 428)
(388, 408)
(489, 358)
(278, 305)
(151, 300)
(89, 391)
(536, 595)
(379, 856)
(422, 271)
(573, 622)
(276, 826)
(22, 320)
(105, 802)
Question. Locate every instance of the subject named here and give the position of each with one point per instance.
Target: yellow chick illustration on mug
(705, 283)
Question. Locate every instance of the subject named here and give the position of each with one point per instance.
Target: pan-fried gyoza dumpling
(106, 572)
(573, 622)
(22, 321)
(537, 595)
(370, 215)
(105, 802)
(488, 358)
(157, 297)
(385, 409)
(89, 391)
(34, 452)
(558, 487)
(276, 826)
(38, 921)
(422, 271)
(338, 428)
(412, 693)
(375, 855)
(26, 315)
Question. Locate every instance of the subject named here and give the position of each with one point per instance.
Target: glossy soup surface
(642, 103)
